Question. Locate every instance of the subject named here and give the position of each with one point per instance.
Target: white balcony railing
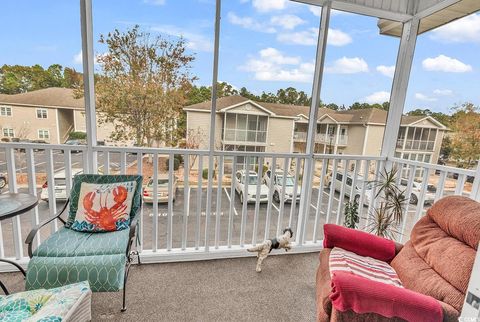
(186, 229)
(321, 138)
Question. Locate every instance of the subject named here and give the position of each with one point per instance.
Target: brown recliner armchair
(437, 261)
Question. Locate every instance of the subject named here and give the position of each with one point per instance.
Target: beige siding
(279, 135)
(356, 137)
(375, 134)
(199, 121)
(104, 130)
(25, 123)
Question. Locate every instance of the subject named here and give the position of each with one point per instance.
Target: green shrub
(176, 164)
(265, 168)
(179, 157)
(205, 173)
(77, 135)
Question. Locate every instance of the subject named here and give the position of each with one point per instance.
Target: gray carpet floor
(216, 290)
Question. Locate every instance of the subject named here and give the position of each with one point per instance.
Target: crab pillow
(104, 207)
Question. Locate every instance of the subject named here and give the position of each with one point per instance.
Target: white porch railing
(321, 138)
(185, 229)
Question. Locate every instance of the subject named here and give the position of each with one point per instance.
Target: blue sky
(265, 45)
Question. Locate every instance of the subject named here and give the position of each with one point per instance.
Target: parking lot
(40, 158)
(196, 217)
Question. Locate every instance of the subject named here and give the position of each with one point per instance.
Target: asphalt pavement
(155, 221)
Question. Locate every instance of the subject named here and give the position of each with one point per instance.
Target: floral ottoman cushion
(104, 207)
(42, 305)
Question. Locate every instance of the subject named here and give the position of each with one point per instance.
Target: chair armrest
(361, 295)
(34, 231)
(359, 242)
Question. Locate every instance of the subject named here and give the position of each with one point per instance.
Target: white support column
(88, 82)
(337, 139)
(308, 170)
(399, 86)
(213, 115)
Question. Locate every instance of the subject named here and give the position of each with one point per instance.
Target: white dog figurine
(264, 249)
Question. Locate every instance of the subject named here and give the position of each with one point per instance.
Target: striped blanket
(367, 267)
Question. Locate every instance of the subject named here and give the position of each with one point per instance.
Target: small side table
(11, 205)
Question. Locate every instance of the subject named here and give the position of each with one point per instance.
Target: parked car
(240, 180)
(416, 191)
(60, 185)
(18, 140)
(278, 184)
(75, 142)
(368, 193)
(468, 179)
(162, 189)
(3, 180)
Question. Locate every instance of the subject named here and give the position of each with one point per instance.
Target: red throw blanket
(350, 292)
(359, 242)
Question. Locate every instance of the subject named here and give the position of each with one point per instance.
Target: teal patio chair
(70, 256)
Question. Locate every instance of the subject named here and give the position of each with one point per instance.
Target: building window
(5, 111)
(41, 113)
(8, 133)
(43, 134)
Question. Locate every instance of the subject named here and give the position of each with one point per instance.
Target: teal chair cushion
(103, 179)
(105, 273)
(68, 243)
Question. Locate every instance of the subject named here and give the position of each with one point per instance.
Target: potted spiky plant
(385, 218)
(351, 215)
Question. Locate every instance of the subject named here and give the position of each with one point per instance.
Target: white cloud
(347, 65)
(466, 29)
(288, 22)
(277, 57)
(194, 41)
(306, 37)
(425, 98)
(317, 11)
(443, 92)
(273, 65)
(249, 23)
(444, 63)
(155, 2)
(377, 97)
(388, 71)
(269, 5)
(336, 37)
(77, 58)
(309, 37)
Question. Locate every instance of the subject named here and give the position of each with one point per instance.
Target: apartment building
(48, 114)
(245, 125)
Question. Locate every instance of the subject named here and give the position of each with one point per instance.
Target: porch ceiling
(392, 13)
(434, 20)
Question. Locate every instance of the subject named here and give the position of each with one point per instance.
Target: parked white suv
(278, 184)
(416, 191)
(240, 179)
(337, 186)
(60, 185)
